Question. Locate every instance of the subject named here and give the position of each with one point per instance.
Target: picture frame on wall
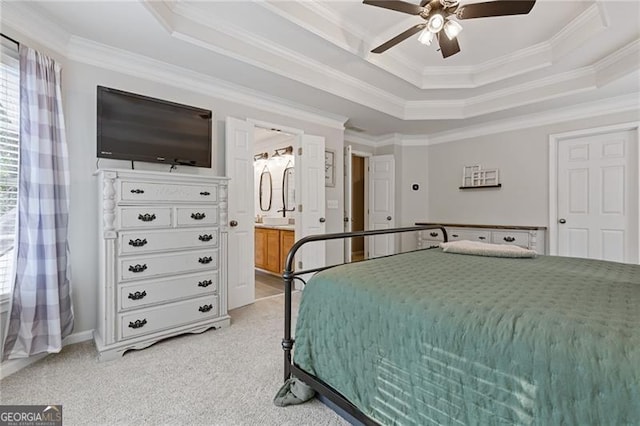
(329, 168)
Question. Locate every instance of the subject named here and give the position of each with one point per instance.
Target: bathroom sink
(275, 220)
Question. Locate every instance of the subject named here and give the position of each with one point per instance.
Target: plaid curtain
(41, 311)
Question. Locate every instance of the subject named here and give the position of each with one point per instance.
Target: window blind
(9, 157)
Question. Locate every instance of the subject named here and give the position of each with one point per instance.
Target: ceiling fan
(439, 14)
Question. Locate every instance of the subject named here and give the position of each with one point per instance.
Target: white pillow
(484, 249)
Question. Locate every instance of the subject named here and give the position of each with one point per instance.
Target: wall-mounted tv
(139, 128)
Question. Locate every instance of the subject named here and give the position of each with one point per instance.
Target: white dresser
(162, 257)
(531, 237)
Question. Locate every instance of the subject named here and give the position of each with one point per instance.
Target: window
(9, 152)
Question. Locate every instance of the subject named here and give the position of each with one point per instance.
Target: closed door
(381, 204)
(598, 197)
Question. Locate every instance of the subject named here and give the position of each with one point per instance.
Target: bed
(429, 337)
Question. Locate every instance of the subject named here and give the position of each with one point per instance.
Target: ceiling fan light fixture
(435, 23)
(426, 37)
(452, 29)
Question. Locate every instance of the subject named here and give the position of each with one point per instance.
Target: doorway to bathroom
(308, 191)
(275, 207)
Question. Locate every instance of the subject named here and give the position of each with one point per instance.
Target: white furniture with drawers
(531, 237)
(162, 257)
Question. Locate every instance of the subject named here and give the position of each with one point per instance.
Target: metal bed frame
(290, 369)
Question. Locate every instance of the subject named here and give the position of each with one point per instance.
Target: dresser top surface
(466, 225)
(129, 173)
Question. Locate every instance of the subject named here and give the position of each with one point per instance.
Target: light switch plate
(332, 204)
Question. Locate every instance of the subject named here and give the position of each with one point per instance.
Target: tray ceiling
(316, 54)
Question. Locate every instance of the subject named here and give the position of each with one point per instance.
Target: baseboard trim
(11, 366)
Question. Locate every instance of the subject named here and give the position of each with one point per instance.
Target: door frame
(348, 180)
(296, 144)
(554, 143)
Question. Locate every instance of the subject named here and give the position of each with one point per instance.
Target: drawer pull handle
(147, 217)
(434, 234)
(455, 235)
(509, 239)
(205, 283)
(482, 238)
(138, 323)
(205, 260)
(137, 191)
(205, 193)
(205, 308)
(205, 237)
(198, 216)
(138, 242)
(137, 295)
(138, 268)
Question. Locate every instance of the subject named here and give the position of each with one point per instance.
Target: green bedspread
(434, 338)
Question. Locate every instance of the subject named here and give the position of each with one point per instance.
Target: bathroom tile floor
(268, 285)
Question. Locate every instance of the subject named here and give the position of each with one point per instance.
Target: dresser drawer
(140, 267)
(457, 234)
(432, 234)
(146, 241)
(150, 320)
(151, 292)
(518, 238)
(197, 216)
(145, 217)
(147, 191)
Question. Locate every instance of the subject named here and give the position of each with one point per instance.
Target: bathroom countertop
(283, 227)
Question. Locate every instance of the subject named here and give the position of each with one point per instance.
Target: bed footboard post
(287, 342)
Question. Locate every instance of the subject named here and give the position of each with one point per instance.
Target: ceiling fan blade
(495, 8)
(397, 39)
(447, 47)
(398, 6)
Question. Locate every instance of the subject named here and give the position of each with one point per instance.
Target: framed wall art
(329, 168)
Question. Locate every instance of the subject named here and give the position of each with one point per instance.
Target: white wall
(80, 92)
(522, 157)
(79, 98)
(411, 168)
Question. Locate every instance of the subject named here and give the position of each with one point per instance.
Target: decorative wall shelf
(477, 177)
(481, 186)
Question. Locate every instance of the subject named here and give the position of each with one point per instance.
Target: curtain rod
(10, 39)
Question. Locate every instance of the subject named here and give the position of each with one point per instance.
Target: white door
(348, 201)
(598, 197)
(311, 210)
(381, 204)
(239, 166)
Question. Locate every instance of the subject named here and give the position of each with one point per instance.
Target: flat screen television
(139, 128)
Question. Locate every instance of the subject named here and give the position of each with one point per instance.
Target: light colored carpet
(220, 377)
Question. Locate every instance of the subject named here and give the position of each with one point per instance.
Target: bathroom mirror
(265, 190)
(288, 189)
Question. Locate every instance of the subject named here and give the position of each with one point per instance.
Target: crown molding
(601, 107)
(618, 64)
(37, 28)
(315, 17)
(361, 139)
(122, 61)
(191, 25)
(613, 105)
(585, 26)
(20, 17)
(216, 35)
